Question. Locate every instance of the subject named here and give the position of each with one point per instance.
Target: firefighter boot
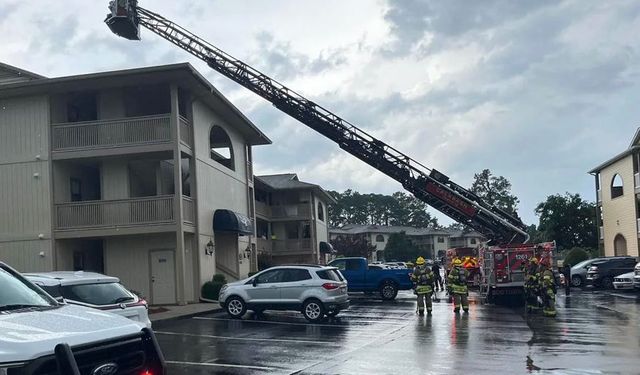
(456, 303)
(429, 312)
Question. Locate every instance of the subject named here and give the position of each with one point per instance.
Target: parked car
(624, 281)
(602, 272)
(636, 277)
(362, 278)
(94, 290)
(39, 335)
(579, 271)
(316, 291)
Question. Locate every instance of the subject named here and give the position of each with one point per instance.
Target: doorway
(620, 245)
(163, 277)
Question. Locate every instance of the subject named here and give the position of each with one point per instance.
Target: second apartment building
(144, 174)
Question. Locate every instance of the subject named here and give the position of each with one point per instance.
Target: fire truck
(502, 268)
(427, 184)
(469, 258)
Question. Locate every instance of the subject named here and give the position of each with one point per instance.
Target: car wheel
(607, 283)
(333, 313)
(576, 281)
(313, 310)
(388, 290)
(236, 307)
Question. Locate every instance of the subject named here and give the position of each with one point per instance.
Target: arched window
(379, 238)
(616, 186)
(320, 212)
(619, 245)
(220, 147)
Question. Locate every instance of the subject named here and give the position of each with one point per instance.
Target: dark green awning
(229, 221)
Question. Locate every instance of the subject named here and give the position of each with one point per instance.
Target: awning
(229, 221)
(326, 248)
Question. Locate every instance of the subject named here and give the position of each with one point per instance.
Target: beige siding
(25, 207)
(218, 187)
(619, 214)
(28, 256)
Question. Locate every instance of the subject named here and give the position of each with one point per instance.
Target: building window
(379, 238)
(473, 241)
(616, 186)
(320, 212)
(221, 147)
(440, 239)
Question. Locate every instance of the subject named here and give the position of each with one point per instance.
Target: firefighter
(457, 286)
(422, 278)
(547, 291)
(532, 285)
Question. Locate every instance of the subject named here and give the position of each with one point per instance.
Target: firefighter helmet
(457, 262)
(420, 261)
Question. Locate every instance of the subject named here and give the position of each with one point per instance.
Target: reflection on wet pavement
(594, 333)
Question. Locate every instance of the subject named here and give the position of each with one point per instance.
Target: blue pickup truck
(363, 279)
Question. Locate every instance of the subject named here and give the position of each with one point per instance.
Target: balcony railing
(636, 180)
(291, 211)
(263, 209)
(188, 210)
(290, 246)
(130, 131)
(122, 212)
(186, 133)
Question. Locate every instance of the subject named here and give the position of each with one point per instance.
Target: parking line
(221, 365)
(247, 338)
(349, 326)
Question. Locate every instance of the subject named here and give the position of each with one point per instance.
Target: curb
(186, 316)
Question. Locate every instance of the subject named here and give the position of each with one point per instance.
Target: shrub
(251, 274)
(211, 289)
(219, 278)
(575, 256)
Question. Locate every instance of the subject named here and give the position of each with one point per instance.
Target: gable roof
(11, 74)
(634, 146)
(290, 181)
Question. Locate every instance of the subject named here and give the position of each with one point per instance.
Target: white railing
(188, 210)
(599, 195)
(601, 231)
(291, 246)
(638, 225)
(293, 210)
(636, 179)
(263, 209)
(186, 133)
(111, 213)
(111, 133)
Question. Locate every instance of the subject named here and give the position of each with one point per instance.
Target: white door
(163, 280)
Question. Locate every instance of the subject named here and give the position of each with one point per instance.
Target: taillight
(146, 372)
(330, 286)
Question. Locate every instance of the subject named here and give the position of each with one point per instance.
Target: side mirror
(255, 281)
(61, 300)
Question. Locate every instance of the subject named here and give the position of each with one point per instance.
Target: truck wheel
(236, 307)
(388, 290)
(313, 310)
(576, 281)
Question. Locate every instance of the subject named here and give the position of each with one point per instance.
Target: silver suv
(316, 291)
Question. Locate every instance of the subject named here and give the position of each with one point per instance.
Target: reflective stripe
(423, 289)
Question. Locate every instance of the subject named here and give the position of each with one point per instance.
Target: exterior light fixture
(209, 247)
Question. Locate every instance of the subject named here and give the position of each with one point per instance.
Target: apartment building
(292, 219)
(434, 242)
(617, 183)
(145, 174)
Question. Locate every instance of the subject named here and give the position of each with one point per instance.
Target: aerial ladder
(429, 185)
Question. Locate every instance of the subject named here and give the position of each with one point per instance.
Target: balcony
(291, 247)
(121, 213)
(638, 225)
(263, 209)
(294, 211)
(636, 182)
(152, 132)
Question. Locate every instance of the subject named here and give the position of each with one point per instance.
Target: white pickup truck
(39, 335)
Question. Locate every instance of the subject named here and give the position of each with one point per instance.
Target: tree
(575, 256)
(495, 191)
(349, 246)
(569, 220)
(400, 248)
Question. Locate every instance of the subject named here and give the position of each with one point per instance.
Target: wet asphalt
(594, 333)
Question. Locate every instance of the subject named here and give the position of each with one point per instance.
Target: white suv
(93, 290)
(38, 335)
(316, 291)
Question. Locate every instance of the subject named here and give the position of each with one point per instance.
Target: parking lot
(595, 332)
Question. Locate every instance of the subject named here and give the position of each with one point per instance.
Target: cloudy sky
(537, 91)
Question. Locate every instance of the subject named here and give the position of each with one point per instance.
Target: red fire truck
(502, 268)
(469, 258)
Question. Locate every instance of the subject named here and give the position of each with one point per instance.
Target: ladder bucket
(123, 19)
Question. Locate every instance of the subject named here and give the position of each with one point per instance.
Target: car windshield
(16, 293)
(97, 294)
